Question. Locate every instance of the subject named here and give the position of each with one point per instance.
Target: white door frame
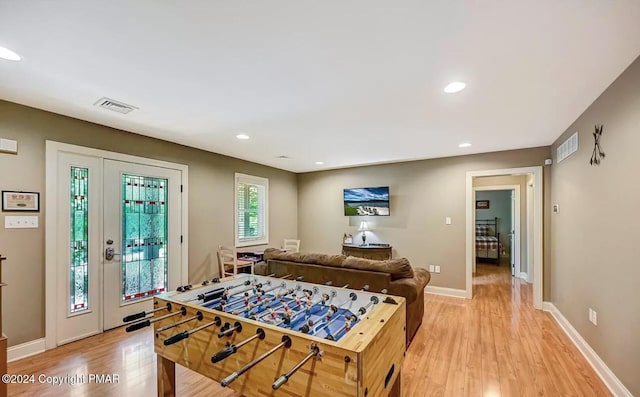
(51, 204)
(537, 226)
(517, 234)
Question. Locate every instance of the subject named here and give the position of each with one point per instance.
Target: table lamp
(363, 228)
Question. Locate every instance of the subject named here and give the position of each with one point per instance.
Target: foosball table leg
(166, 377)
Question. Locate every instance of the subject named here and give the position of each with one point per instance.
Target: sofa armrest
(260, 268)
(422, 277)
(410, 288)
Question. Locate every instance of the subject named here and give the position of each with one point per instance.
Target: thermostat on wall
(8, 146)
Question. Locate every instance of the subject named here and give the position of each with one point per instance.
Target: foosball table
(268, 336)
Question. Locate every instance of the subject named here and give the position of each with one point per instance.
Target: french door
(118, 241)
(141, 237)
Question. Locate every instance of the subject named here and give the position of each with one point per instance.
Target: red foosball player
(347, 323)
(287, 310)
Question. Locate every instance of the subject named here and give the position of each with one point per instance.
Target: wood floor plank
(494, 345)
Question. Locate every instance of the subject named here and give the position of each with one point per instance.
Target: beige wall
(520, 180)
(595, 237)
(423, 193)
(211, 187)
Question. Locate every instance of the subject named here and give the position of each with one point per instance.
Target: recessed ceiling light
(454, 86)
(9, 55)
(466, 144)
(319, 162)
(242, 136)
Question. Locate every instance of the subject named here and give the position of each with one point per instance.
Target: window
(251, 216)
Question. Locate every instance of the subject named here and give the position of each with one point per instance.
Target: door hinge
(180, 188)
(181, 239)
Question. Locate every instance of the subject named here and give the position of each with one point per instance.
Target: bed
(487, 241)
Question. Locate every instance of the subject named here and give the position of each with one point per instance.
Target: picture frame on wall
(20, 201)
(482, 204)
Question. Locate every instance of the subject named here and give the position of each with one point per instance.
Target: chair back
(291, 245)
(229, 262)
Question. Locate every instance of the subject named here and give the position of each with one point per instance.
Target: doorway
(534, 250)
(500, 219)
(114, 238)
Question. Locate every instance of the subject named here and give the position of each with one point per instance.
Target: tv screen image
(366, 201)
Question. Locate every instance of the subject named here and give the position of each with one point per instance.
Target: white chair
(291, 245)
(229, 262)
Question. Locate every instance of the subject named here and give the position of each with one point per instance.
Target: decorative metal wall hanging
(597, 153)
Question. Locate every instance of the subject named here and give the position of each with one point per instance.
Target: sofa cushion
(302, 257)
(398, 268)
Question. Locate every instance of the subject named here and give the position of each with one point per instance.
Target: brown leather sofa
(395, 275)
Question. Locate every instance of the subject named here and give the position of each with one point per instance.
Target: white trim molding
(525, 277)
(614, 384)
(453, 292)
(25, 350)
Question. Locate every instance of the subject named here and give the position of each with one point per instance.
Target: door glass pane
(144, 236)
(79, 241)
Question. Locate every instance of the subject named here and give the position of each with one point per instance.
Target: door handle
(110, 253)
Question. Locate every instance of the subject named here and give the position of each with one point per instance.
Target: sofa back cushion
(339, 276)
(398, 268)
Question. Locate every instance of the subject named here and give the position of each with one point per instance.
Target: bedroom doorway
(528, 254)
(498, 230)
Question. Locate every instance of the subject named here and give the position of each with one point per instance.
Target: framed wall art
(20, 201)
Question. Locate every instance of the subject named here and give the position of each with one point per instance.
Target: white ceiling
(344, 82)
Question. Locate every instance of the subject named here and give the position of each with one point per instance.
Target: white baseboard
(25, 350)
(524, 276)
(456, 293)
(608, 377)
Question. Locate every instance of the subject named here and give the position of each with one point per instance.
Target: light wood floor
(494, 345)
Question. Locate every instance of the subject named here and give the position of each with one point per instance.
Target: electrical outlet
(437, 269)
(432, 269)
(447, 220)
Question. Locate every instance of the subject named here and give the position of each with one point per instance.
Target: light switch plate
(20, 222)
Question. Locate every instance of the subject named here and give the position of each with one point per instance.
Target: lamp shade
(363, 226)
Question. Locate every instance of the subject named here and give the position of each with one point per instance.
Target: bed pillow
(482, 230)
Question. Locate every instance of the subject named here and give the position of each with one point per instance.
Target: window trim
(255, 180)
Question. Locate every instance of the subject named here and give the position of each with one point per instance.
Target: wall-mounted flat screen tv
(366, 201)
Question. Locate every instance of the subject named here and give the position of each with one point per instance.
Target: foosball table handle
(176, 338)
(137, 326)
(224, 353)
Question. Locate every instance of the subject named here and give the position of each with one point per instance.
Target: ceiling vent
(116, 106)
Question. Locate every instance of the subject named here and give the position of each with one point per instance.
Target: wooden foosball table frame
(365, 362)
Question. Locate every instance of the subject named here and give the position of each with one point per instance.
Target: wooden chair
(229, 262)
(291, 245)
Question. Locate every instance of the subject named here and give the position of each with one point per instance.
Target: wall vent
(116, 106)
(568, 147)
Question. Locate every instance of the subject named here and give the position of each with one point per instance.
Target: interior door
(78, 257)
(141, 237)
(512, 234)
